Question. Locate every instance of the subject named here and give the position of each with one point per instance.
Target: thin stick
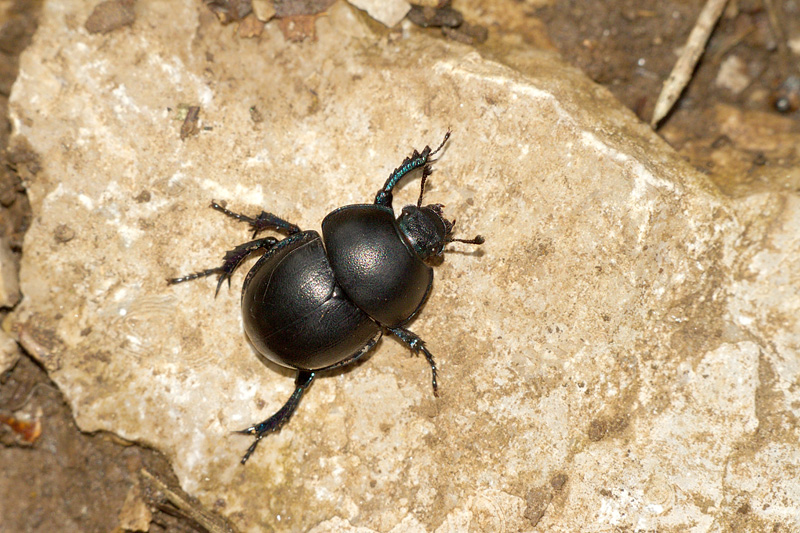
(188, 509)
(682, 72)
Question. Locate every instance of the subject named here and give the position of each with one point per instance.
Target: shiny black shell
(295, 313)
(311, 306)
(375, 264)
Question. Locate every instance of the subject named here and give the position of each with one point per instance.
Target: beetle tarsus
(194, 275)
(446, 137)
(274, 423)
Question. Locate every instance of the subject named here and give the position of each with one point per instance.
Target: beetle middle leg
(233, 258)
(274, 423)
(411, 340)
(261, 222)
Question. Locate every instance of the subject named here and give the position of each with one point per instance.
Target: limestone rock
(9, 276)
(9, 352)
(388, 12)
(621, 353)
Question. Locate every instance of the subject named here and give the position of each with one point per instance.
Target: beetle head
(425, 226)
(428, 231)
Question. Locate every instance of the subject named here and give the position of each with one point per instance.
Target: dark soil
(629, 47)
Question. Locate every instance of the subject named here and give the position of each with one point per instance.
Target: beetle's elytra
(312, 303)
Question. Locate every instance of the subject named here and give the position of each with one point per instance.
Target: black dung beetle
(315, 303)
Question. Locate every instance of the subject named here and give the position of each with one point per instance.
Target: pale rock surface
(9, 352)
(622, 353)
(387, 12)
(9, 276)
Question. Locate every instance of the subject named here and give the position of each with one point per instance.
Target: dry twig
(682, 72)
(187, 508)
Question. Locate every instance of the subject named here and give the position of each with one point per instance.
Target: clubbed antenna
(478, 239)
(446, 136)
(426, 171)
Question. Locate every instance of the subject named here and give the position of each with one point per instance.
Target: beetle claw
(251, 449)
(220, 281)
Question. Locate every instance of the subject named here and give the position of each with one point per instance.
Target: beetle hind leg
(274, 423)
(416, 344)
(233, 258)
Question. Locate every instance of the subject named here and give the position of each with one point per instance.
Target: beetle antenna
(426, 171)
(446, 136)
(478, 239)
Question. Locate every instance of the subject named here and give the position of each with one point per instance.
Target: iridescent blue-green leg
(417, 159)
(274, 423)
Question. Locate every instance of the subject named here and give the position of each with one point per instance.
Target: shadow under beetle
(315, 303)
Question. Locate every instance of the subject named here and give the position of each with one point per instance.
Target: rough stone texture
(264, 10)
(621, 353)
(110, 15)
(9, 276)
(388, 12)
(9, 352)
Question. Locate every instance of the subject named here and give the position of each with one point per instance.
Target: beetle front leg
(417, 159)
(274, 423)
(416, 344)
(233, 258)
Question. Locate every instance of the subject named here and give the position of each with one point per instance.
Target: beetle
(313, 303)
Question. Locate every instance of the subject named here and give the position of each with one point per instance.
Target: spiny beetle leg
(274, 423)
(233, 258)
(416, 344)
(261, 222)
(417, 159)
